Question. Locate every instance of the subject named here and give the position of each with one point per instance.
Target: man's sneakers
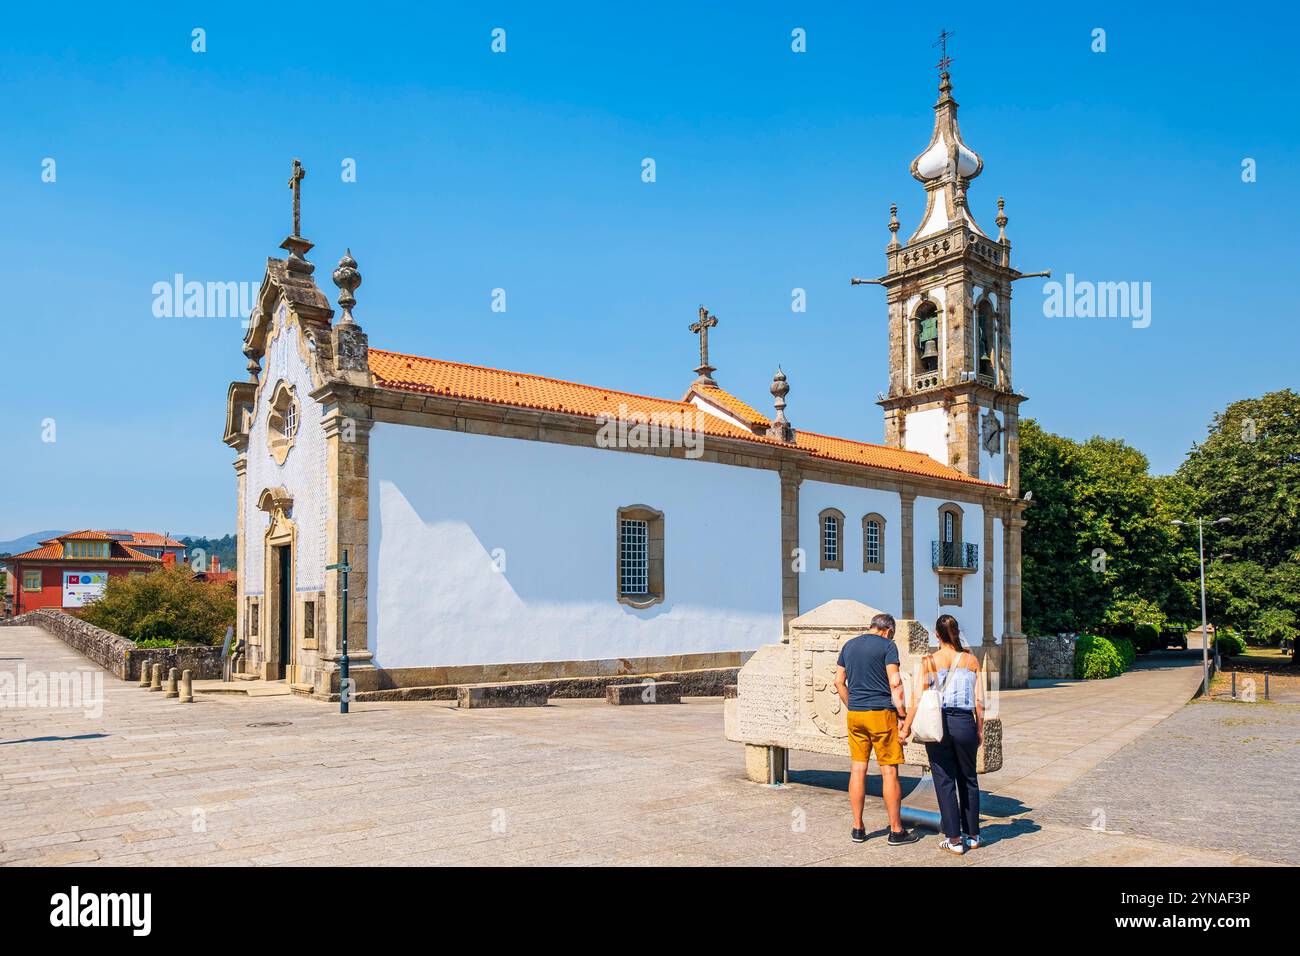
(955, 847)
(858, 835)
(903, 837)
(973, 843)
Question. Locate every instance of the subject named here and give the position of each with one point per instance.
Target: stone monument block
(786, 695)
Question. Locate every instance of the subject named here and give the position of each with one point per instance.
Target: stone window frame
(311, 605)
(254, 618)
(40, 578)
(867, 564)
(947, 581)
(825, 563)
(954, 509)
(283, 420)
(654, 520)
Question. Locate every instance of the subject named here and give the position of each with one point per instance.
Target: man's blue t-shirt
(864, 659)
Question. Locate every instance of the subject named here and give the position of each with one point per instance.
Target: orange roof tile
(53, 551)
(731, 403)
(414, 373)
(150, 539)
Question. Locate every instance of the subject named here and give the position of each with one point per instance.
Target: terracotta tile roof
(53, 551)
(151, 539)
(414, 373)
(731, 403)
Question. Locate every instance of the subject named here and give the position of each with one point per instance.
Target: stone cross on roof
(295, 183)
(945, 60)
(701, 328)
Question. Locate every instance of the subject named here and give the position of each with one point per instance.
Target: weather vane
(944, 60)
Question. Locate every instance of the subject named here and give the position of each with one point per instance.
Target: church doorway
(284, 609)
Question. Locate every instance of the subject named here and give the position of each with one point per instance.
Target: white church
(509, 526)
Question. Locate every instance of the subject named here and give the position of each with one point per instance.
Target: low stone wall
(707, 682)
(115, 653)
(1051, 657)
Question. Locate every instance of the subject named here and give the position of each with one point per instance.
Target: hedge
(1096, 658)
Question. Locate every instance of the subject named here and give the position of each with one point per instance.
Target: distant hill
(27, 542)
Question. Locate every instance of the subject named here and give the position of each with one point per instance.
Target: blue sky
(521, 170)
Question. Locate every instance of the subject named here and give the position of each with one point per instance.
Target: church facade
(501, 525)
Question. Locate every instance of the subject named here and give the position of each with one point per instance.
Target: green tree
(1100, 548)
(1248, 470)
(168, 604)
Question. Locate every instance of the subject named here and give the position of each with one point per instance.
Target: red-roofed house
(70, 570)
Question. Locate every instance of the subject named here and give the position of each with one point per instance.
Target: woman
(952, 760)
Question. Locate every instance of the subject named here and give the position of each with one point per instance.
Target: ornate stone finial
(348, 279)
(254, 366)
(701, 328)
(893, 225)
(1002, 220)
(780, 429)
(297, 246)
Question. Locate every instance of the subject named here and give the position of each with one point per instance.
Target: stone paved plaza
(277, 780)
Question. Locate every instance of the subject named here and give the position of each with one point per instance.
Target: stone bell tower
(949, 299)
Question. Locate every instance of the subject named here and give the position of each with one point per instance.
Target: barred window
(291, 420)
(831, 523)
(950, 591)
(640, 552)
(873, 542)
(634, 566)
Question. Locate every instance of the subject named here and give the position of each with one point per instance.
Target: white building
(502, 525)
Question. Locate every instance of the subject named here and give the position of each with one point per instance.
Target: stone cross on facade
(701, 328)
(295, 183)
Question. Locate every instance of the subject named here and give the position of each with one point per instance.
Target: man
(868, 681)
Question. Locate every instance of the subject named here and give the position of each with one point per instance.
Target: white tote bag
(927, 725)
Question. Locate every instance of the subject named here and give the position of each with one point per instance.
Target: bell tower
(948, 290)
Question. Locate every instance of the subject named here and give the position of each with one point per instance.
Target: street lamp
(1205, 624)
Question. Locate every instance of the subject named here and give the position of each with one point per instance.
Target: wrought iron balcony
(954, 556)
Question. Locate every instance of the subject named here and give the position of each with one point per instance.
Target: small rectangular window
(309, 620)
(252, 618)
(950, 592)
(634, 557)
(31, 580)
(873, 542)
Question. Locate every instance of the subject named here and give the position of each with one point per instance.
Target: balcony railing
(955, 555)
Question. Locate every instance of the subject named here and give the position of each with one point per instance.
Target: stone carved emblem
(822, 705)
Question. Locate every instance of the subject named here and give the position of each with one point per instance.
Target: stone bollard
(155, 679)
(187, 688)
(144, 674)
(172, 690)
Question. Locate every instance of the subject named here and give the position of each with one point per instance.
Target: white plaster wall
(926, 431)
(442, 502)
(303, 473)
(999, 580)
(883, 590)
(993, 467)
(925, 522)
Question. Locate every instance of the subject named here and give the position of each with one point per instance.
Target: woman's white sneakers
(955, 847)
